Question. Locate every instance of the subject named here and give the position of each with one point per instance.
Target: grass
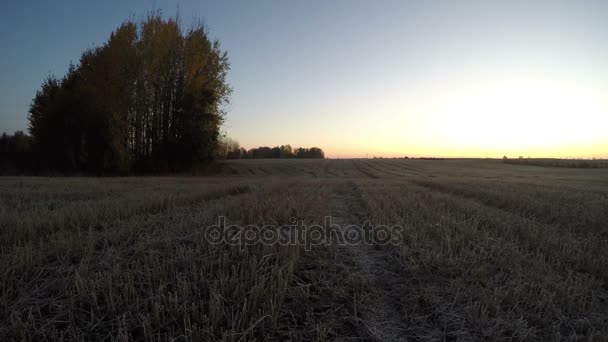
(491, 251)
(553, 162)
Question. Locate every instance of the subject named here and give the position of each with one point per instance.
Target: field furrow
(476, 271)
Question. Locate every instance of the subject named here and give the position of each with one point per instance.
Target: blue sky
(454, 78)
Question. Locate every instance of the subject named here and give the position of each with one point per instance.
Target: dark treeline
(149, 99)
(15, 153)
(284, 151)
(230, 149)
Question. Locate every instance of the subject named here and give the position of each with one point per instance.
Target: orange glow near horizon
(518, 116)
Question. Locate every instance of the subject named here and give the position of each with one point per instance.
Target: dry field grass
(490, 252)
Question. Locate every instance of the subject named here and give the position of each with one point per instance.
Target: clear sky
(357, 78)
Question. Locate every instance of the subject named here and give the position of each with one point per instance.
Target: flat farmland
(478, 250)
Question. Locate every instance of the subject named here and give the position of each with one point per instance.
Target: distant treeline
(16, 153)
(278, 152)
(148, 99)
(230, 149)
(551, 162)
(431, 158)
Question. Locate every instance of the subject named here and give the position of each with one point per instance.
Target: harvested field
(481, 251)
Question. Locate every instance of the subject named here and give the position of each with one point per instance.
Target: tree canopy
(150, 98)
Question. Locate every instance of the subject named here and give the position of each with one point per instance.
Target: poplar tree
(150, 98)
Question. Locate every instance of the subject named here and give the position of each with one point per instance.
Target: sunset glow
(468, 79)
(518, 116)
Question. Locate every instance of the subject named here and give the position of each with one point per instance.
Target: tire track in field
(105, 217)
(342, 168)
(327, 171)
(363, 171)
(264, 171)
(375, 166)
(307, 172)
(539, 233)
(282, 170)
(381, 320)
(393, 169)
(403, 165)
(486, 197)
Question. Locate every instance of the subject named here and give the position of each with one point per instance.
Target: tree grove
(150, 98)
